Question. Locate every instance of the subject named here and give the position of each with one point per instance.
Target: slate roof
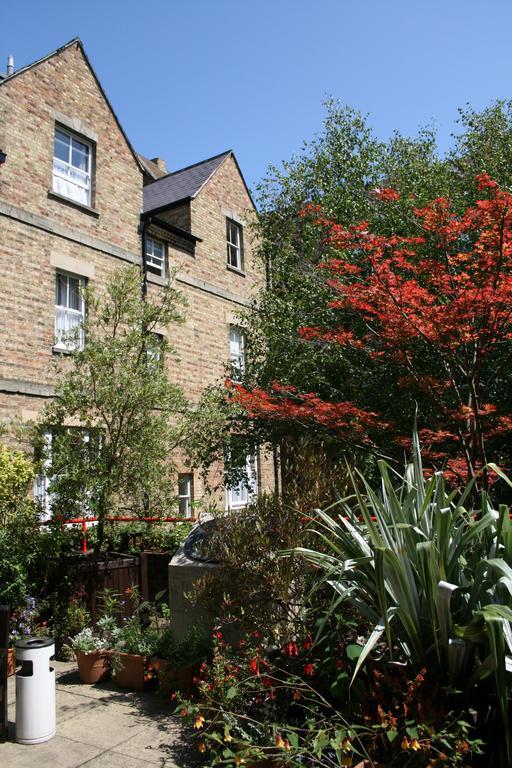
(181, 185)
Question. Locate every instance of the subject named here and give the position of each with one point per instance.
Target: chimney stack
(160, 163)
(10, 65)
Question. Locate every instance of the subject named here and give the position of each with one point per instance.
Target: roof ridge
(193, 165)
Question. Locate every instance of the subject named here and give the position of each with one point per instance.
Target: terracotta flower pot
(131, 673)
(180, 679)
(93, 666)
(11, 662)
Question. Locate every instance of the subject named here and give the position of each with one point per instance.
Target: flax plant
(433, 577)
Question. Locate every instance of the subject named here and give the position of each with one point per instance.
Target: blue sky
(191, 78)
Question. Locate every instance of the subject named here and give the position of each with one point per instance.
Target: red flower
(254, 666)
(308, 643)
(309, 670)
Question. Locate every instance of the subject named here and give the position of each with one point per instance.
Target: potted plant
(93, 656)
(178, 662)
(135, 644)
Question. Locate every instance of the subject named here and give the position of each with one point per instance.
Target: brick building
(76, 203)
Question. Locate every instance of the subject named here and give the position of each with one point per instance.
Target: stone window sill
(57, 350)
(157, 279)
(73, 203)
(235, 270)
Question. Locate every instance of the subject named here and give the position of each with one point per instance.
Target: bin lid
(35, 642)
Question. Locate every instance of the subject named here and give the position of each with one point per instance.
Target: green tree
(340, 171)
(116, 419)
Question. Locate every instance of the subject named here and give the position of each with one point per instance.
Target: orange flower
(202, 746)
(279, 741)
(405, 743)
(296, 695)
(415, 745)
(198, 722)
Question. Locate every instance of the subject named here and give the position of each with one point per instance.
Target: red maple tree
(438, 304)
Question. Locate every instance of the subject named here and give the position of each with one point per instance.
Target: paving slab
(153, 743)
(105, 726)
(59, 752)
(115, 760)
(102, 726)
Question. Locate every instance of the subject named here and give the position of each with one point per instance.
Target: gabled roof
(181, 185)
(75, 41)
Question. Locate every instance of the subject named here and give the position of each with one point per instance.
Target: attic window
(72, 167)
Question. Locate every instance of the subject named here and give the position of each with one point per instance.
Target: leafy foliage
(433, 578)
(129, 417)
(16, 475)
(340, 170)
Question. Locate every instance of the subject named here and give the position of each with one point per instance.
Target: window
(185, 495)
(72, 166)
(235, 245)
(155, 256)
(57, 488)
(236, 352)
(42, 494)
(69, 312)
(154, 348)
(241, 493)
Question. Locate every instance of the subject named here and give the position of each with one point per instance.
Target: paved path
(100, 726)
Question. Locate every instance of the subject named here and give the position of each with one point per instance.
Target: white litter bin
(35, 690)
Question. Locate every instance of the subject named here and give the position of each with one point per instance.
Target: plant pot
(11, 662)
(131, 672)
(94, 666)
(171, 678)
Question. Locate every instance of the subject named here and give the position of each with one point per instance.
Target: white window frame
(69, 180)
(185, 494)
(234, 242)
(155, 262)
(246, 490)
(68, 317)
(41, 482)
(236, 352)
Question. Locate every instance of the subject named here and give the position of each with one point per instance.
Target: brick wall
(39, 234)
(30, 105)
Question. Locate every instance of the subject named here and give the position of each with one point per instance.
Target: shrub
(16, 475)
(252, 587)
(432, 577)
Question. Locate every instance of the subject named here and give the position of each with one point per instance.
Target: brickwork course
(42, 232)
